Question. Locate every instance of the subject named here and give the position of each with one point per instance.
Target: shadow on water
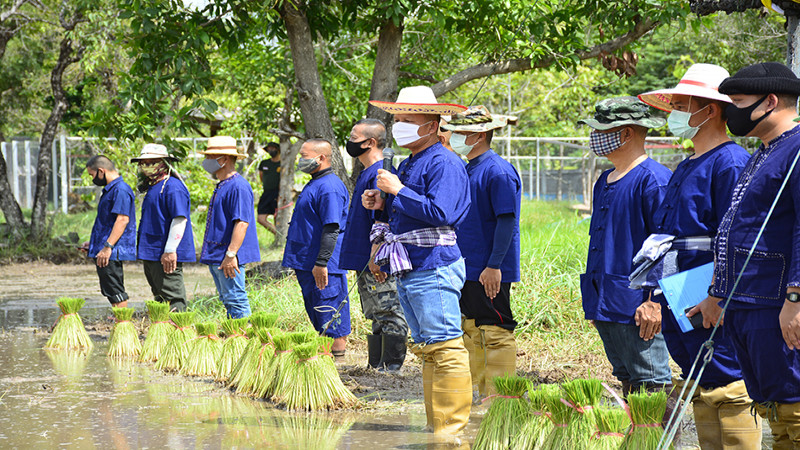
(27, 313)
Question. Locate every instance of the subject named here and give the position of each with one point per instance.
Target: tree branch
(417, 76)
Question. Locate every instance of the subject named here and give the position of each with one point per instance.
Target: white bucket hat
(222, 146)
(417, 100)
(154, 151)
(701, 80)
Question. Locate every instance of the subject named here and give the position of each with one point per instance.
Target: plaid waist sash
(393, 252)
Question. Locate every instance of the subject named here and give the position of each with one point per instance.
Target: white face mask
(678, 123)
(406, 133)
(459, 144)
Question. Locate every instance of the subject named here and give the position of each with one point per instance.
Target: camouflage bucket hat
(477, 119)
(618, 111)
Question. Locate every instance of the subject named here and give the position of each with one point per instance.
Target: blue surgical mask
(307, 165)
(211, 166)
(459, 144)
(678, 123)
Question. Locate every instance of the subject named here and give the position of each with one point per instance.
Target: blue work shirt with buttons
(622, 219)
(356, 247)
(164, 201)
(232, 200)
(116, 198)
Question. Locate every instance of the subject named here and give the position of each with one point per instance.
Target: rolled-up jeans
(430, 301)
(633, 359)
(231, 292)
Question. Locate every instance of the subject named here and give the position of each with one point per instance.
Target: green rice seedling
(203, 352)
(124, 340)
(283, 359)
(236, 372)
(263, 319)
(255, 361)
(268, 376)
(301, 337)
(537, 425)
(176, 350)
(611, 426)
(503, 421)
(647, 410)
(232, 347)
(325, 367)
(69, 332)
(159, 331)
(582, 396)
(302, 389)
(560, 416)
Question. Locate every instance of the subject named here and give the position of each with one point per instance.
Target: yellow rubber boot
(427, 381)
(740, 430)
(501, 354)
(473, 341)
(451, 387)
(788, 425)
(709, 430)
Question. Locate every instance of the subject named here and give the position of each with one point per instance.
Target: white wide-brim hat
(701, 80)
(417, 100)
(154, 151)
(222, 146)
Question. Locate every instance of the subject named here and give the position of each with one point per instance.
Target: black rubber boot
(394, 352)
(374, 349)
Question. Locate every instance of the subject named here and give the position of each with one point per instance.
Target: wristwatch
(108, 244)
(710, 290)
(230, 254)
(793, 297)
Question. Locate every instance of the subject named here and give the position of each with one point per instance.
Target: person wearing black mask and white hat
(763, 316)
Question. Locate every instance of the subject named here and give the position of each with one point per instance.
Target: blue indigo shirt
(776, 261)
(356, 247)
(435, 194)
(323, 201)
(621, 220)
(495, 188)
(116, 198)
(232, 200)
(164, 201)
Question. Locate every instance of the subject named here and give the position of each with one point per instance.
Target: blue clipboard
(685, 289)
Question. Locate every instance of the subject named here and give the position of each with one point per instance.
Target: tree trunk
(283, 215)
(8, 204)
(793, 47)
(313, 105)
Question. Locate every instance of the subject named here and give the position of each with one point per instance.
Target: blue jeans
(633, 359)
(231, 292)
(430, 300)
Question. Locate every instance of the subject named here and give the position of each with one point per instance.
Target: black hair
(100, 162)
(374, 129)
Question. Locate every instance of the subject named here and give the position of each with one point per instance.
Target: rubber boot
(374, 348)
(739, 430)
(786, 429)
(427, 381)
(477, 355)
(501, 354)
(626, 388)
(394, 352)
(709, 429)
(451, 388)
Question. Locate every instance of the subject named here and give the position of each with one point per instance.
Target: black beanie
(762, 78)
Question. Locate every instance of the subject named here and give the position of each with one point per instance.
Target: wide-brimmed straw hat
(701, 80)
(417, 100)
(154, 151)
(618, 111)
(478, 119)
(222, 146)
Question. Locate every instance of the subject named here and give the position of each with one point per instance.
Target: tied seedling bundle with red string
(158, 333)
(281, 347)
(611, 426)
(537, 425)
(232, 347)
(581, 396)
(203, 352)
(503, 421)
(69, 332)
(337, 392)
(559, 416)
(302, 389)
(255, 361)
(124, 340)
(646, 412)
(285, 362)
(260, 319)
(174, 355)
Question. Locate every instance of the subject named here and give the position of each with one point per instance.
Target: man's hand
(648, 319)
(790, 324)
(230, 266)
(320, 276)
(490, 279)
(169, 261)
(380, 276)
(388, 182)
(710, 309)
(371, 199)
(103, 256)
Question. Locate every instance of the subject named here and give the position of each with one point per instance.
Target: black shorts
(268, 202)
(476, 305)
(112, 282)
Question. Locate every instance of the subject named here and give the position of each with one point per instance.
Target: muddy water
(68, 399)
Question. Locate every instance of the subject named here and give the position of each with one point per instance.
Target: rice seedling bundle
(236, 372)
(158, 333)
(581, 396)
(69, 331)
(232, 347)
(176, 350)
(503, 421)
(124, 340)
(340, 396)
(203, 352)
(647, 411)
(611, 426)
(560, 416)
(537, 425)
(262, 319)
(254, 362)
(283, 359)
(302, 389)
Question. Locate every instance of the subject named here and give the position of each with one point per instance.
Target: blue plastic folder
(685, 289)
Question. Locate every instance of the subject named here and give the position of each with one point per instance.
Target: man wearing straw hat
(386, 346)
(165, 237)
(314, 242)
(624, 200)
(763, 316)
(230, 239)
(489, 240)
(427, 200)
(697, 196)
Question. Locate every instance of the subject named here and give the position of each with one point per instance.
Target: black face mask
(97, 180)
(272, 153)
(354, 148)
(739, 121)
